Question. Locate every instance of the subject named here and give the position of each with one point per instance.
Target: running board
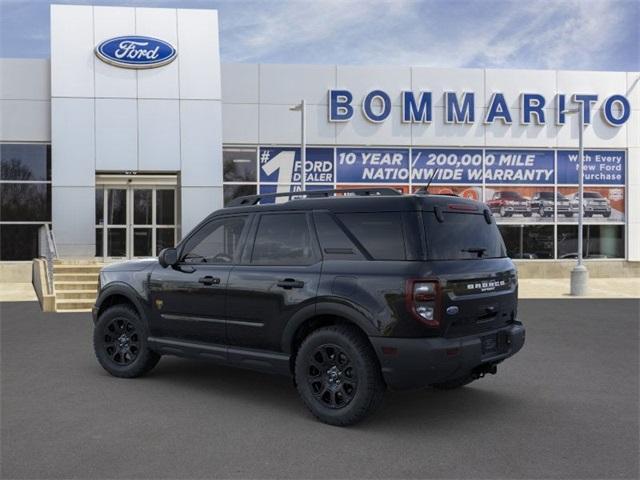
(260, 360)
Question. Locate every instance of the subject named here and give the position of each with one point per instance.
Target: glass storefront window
(99, 206)
(117, 207)
(99, 242)
(25, 202)
(142, 242)
(239, 164)
(142, 206)
(165, 238)
(25, 198)
(529, 242)
(598, 241)
(117, 242)
(18, 242)
(165, 207)
(234, 191)
(25, 162)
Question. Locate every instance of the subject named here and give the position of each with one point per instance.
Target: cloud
(544, 34)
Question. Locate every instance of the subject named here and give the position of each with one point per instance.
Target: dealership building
(133, 131)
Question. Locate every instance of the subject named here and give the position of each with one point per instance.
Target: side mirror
(168, 257)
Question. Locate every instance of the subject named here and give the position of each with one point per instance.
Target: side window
(335, 243)
(216, 243)
(283, 239)
(380, 233)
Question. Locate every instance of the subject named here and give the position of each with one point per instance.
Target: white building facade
(123, 161)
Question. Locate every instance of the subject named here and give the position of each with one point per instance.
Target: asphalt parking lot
(565, 407)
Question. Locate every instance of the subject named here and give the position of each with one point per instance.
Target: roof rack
(365, 192)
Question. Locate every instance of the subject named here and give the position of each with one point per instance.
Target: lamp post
(303, 141)
(579, 273)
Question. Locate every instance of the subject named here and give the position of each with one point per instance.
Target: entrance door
(134, 220)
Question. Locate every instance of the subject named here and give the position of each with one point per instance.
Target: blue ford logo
(134, 51)
(452, 310)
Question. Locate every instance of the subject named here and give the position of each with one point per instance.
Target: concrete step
(73, 310)
(77, 294)
(76, 261)
(75, 277)
(66, 268)
(76, 285)
(71, 304)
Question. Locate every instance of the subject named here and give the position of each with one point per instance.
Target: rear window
(380, 233)
(462, 236)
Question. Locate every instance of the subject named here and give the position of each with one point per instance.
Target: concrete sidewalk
(560, 288)
(17, 292)
(528, 288)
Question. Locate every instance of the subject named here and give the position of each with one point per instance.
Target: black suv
(349, 295)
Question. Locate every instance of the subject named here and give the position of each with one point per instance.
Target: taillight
(423, 300)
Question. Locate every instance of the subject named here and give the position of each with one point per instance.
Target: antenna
(426, 189)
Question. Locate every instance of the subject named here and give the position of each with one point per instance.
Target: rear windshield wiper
(479, 250)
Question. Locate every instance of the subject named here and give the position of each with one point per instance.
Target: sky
(534, 34)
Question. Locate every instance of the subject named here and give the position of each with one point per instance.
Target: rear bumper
(417, 362)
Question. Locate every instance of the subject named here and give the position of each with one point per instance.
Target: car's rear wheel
(338, 376)
(120, 343)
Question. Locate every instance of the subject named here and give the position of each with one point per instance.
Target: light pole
(303, 141)
(580, 274)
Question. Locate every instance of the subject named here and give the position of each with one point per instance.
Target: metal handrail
(255, 199)
(47, 248)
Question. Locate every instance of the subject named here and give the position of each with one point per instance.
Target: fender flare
(125, 290)
(346, 311)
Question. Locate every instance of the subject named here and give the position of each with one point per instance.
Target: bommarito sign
(460, 108)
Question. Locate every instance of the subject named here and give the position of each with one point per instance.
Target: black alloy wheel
(121, 341)
(332, 376)
(338, 376)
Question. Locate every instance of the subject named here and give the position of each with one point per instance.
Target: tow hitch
(482, 370)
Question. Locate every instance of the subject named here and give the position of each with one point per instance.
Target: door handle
(209, 280)
(289, 283)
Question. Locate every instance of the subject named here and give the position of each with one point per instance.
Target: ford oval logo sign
(134, 51)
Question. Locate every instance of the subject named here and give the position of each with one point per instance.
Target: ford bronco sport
(349, 295)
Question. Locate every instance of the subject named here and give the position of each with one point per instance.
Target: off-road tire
(138, 359)
(314, 388)
(454, 383)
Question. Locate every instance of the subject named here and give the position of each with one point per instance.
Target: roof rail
(255, 199)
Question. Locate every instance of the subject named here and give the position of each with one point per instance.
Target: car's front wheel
(120, 343)
(338, 376)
